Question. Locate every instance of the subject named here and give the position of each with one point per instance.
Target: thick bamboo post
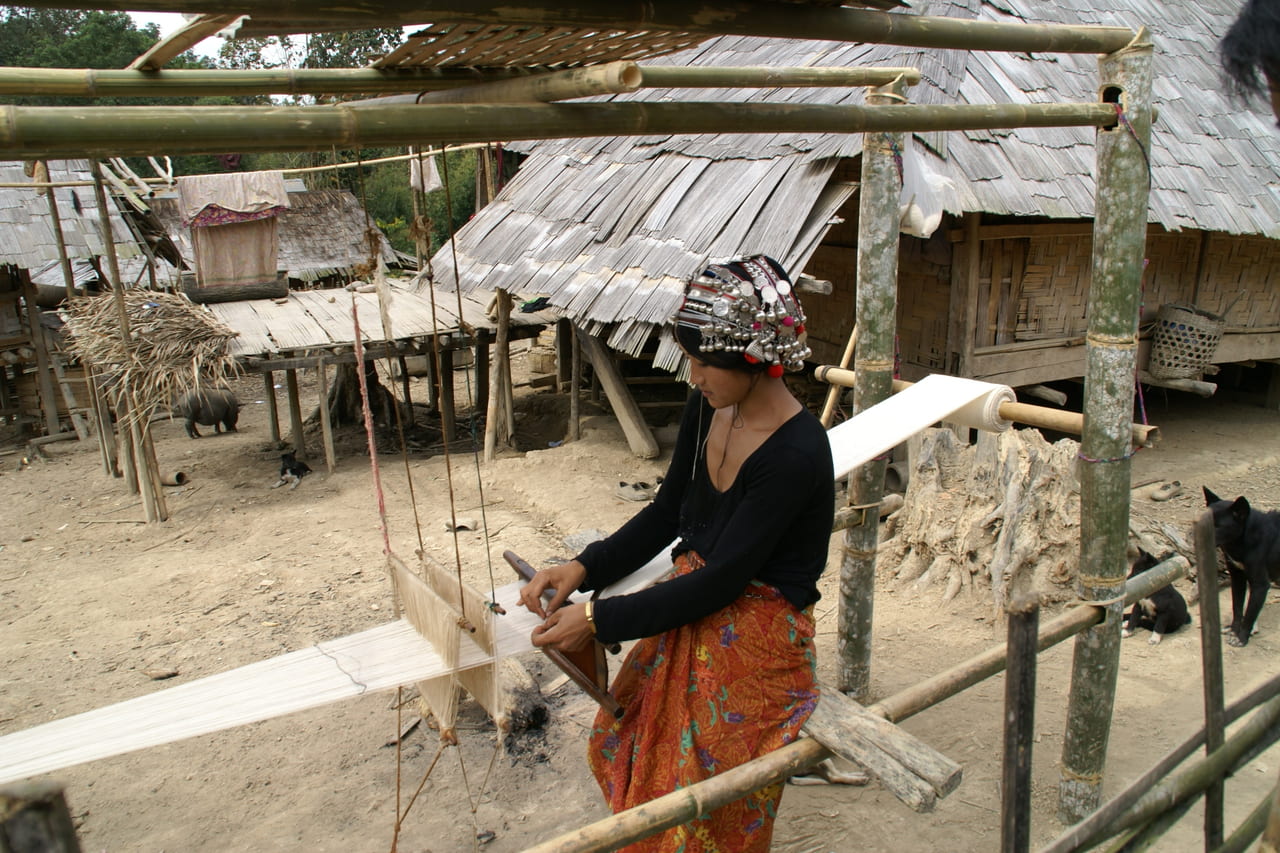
(1210, 667)
(273, 413)
(724, 17)
(1019, 722)
(877, 290)
(1120, 228)
(27, 132)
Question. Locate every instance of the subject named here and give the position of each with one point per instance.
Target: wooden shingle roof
(608, 228)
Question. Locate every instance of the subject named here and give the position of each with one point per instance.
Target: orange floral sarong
(701, 699)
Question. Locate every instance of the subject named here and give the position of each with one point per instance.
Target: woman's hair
(743, 314)
(1252, 44)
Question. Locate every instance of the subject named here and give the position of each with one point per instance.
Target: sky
(170, 21)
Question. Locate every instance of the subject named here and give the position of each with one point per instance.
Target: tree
(69, 38)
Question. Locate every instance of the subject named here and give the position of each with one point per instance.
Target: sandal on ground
(1171, 489)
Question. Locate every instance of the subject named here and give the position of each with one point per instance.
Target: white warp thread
(388, 656)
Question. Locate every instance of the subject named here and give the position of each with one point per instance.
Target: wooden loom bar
(28, 132)
(771, 19)
(1142, 435)
(687, 803)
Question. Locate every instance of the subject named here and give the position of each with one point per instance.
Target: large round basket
(1185, 340)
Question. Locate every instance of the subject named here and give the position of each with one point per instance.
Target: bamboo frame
(687, 803)
(1120, 230)
(30, 132)
(99, 83)
(774, 19)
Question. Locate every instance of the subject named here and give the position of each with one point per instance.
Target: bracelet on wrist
(590, 613)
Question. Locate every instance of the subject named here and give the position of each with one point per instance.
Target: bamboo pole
(771, 19)
(833, 393)
(607, 79)
(273, 414)
(500, 376)
(1143, 435)
(1019, 722)
(1210, 666)
(326, 426)
(29, 132)
(877, 310)
(1120, 228)
(68, 277)
(687, 803)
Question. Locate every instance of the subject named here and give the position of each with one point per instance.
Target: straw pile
(175, 346)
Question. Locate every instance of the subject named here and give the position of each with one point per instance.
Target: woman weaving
(724, 670)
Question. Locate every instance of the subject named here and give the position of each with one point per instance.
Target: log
(841, 724)
(1192, 386)
(639, 436)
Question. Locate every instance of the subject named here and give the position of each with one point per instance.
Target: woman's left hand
(565, 629)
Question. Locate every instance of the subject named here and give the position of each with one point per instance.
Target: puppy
(1163, 613)
(292, 470)
(1250, 540)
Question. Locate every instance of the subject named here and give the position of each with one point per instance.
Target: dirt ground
(93, 603)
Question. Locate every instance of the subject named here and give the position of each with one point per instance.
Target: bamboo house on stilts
(692, 150)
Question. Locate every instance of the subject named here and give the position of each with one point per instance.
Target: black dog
(1164, 612)
(292, 470)
(1250, 539)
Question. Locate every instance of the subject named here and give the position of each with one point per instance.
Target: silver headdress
(747, 305)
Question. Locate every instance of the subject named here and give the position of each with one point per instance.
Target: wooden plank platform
(321, 319)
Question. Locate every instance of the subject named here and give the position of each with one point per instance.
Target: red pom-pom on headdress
(775, 370)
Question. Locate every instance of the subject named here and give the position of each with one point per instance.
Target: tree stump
(979, 515)
(345, 407)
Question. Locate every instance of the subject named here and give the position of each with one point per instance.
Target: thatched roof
(609, 227)
(27, 238)
(323, 233)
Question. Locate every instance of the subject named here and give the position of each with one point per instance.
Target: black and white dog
(1163, 612)
(292, 470)
(1250, 540)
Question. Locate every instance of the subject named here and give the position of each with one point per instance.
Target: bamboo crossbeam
(30, 132)
(1144, 435)
(769, 19)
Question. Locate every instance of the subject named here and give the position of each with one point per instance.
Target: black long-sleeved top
(772, 524)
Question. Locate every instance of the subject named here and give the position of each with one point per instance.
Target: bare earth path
(91, 602)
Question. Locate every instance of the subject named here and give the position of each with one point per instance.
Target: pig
(215, 408)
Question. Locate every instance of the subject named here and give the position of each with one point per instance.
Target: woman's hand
(565, 629)
(563, 579)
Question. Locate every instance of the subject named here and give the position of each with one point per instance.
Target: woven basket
(1185, 340)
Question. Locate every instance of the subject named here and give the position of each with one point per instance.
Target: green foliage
(68, 38)
(357, 49)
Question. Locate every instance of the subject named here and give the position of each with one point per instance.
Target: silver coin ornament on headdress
(757, 315)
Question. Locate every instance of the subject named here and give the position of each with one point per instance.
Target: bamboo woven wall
(924, 295)
(1242, 277)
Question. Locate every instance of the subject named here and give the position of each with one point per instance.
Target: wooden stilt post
(564, 343)
(1211, 669)
(448, 414)
(407, 389)
(44, 370)
(482, 370)
(639, 437)
(1120, 228)
(575, 387)
(1019, 722)
(295, 413)
(496, 419)
(273, 412)
(326, 428)
(877, 290)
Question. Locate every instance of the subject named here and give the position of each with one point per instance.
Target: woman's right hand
(564, 579)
